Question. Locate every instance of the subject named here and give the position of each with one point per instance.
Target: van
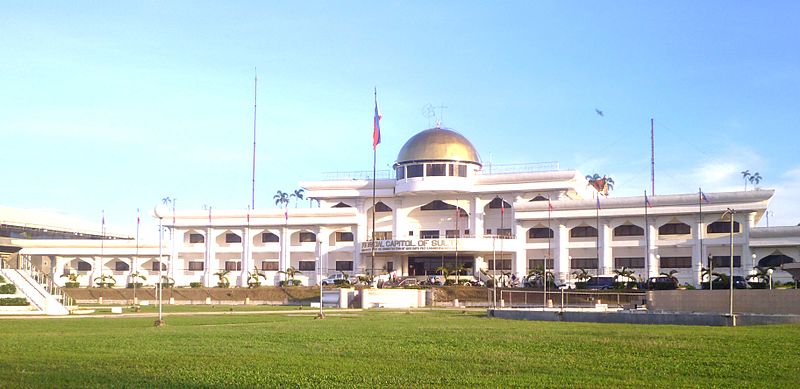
(600, 283)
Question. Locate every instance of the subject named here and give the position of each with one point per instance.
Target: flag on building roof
(376, 125)
(549, 205)
(647, 201)
(138, 220)
(703, 197)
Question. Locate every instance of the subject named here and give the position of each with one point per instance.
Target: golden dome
(438, 144)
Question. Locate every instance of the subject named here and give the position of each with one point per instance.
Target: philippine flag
(376, 127)
(703, 197)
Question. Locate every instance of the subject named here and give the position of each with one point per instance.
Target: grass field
(389, 348)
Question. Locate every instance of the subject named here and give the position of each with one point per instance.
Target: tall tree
(755, 179)
(298, 195)
(281, 198)
(600, 184)
(745, 175)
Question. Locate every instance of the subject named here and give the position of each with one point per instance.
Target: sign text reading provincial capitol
(393, 245)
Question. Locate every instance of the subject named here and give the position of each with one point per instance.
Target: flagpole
(700, 226)
(375, 141)
(255, 105)
(549, 238)
(135, 261)
(458, 234)
(646, 241)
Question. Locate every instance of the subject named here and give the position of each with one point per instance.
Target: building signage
(392, 245)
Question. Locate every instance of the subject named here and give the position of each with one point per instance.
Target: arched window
(722, 227)
(629, 230)
(381, 207)
(539, 198)
(774, 260)
(268, 237)
(341, 205)
(675, 229)
(495, 204)
(583, 232)
(540, 233)
(437, 205)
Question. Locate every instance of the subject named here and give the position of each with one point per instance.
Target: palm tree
(298, 195)
(254, 276)
(105, 280)
(745, 175)
(290, 273)
(445, 273)
(624, 275)
(671, 276)
(755, 179)
(601, 184)
(281, 199)
(223, 278)
(581, 274)
(537, 276)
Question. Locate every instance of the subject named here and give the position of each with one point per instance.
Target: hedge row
(8, 289)
(14, 302)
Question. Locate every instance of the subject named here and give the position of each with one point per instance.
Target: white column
(606, 254)
(521, 255)
(325, 267)
(747, 222)
(247, 266)
(477, 218)
(562, 253)
(209, 270)
(173, 256)
(97, 269)
(285, 257)
(697, 254)
(652, 262)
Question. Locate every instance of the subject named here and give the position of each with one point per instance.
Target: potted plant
(253, 278)
(582, 276)
(290, 272)
(223, 278)
(105, 281)
(167, 282)
(72, 280)
(134, 283)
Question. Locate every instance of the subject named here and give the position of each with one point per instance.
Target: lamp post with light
(160, 211)
(769, 273)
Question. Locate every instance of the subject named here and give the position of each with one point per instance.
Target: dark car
(661, 283)
(600, 283)
(738, 283)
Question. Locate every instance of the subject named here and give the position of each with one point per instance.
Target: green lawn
(389, 348)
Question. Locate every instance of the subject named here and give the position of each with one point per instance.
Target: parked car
(660, 283)
(600, 283)
(337, 279)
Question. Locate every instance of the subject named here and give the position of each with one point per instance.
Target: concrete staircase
(41, 292)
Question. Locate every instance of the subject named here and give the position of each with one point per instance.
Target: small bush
(8, 289)
(196, 284)
(72, 284)
(131, 285)
(14, 302)
(2, 279)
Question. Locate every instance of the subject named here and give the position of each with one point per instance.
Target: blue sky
(113, 106)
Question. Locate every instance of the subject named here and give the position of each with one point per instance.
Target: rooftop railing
(488, 169)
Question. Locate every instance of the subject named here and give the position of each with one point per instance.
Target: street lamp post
(321, 314)
(769, 272)
(159, 211)
(731, 212)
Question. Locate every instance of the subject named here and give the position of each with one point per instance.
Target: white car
(336, 279)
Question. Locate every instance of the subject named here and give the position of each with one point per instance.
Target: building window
(344, 265)
(233, 265)
(634, 263)
(390, 266)
(462, 170)
(628, 230)
(121, 266)
(583, 232)
(269, 265)
(341, 205)
(451, 234)
(539, 263)
(583, 263)
(306, 237)
(155, 264)
(437, 205)
(268, 237)
(344, 236)
(232, 238)
(400, 172)
(466, 232)
(504, 233)
(410, 233)
(381, 207)
(429, 234)
(306, 266)
(676, 262)
(495, 204)
(540, 233)
(502, 264)
(413, 171)
(539, 198)
(725, 261)
(84, 266)
(436, 169)
(675, 229)
(488, 231)
(722, 227)
(196, 238)
(196, 266)
(383, 235)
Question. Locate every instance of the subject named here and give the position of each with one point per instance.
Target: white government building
(441, 208)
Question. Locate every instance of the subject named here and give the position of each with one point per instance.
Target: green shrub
(8, 289)
(131, 285)
(14, 302)
(196, 284)
(2, 279)
(70, 284)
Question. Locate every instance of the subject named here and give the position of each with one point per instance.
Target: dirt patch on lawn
(266, 293)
